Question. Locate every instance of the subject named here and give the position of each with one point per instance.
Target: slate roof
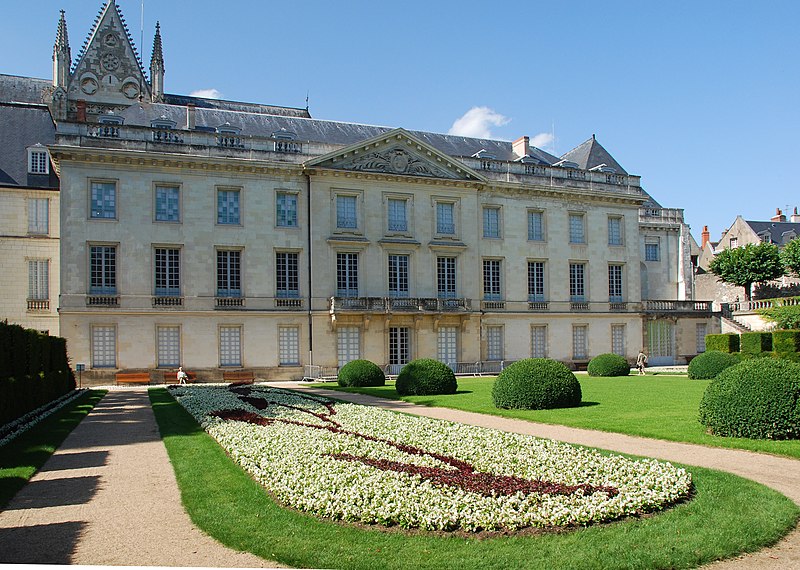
(23, 89)
(21, 126)
(591, 154)
(780, 233)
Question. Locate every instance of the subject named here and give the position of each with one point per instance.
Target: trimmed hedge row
(723, 342)
(781, 344)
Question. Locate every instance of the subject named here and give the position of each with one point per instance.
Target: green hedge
(361, 373)
(426, 376)
(786, 341)
(608, 365)
(723, 342)
(755, 342)
(536, 384)
(710, 363)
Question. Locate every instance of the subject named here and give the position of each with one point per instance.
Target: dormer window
(110, 119)
(566, 164)
(163, 123)
(228, 136)
(603, 168)
(487, 159)
(285, 141)
(38, 160)
(228, 129)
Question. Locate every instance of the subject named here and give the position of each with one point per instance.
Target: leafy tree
(785, 317)
(791, 257)
(746, 265)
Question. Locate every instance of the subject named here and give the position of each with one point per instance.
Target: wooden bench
(238, 376)
(172, 377)
(133, 378)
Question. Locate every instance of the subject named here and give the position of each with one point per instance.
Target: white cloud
(477, 123)
(207, 94)
(543, 141)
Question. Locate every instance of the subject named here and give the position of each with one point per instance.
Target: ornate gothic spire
(157, 67)
(62, 57)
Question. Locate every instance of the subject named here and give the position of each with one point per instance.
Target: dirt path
(108, 496)
(781, 474)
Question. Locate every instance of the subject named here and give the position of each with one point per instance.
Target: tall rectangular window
(492, 285)
(104, 347)
(614, 230)
(535, 225)
(348, 344)
(103, 269)
(539, 341)
(577, 282)
(536, 281)
(397, 219)
(447, 345)
(494, 343)
(38, 161)
(615, 289)
(399, 345)
(286, 274)
(168, 345)
(398, 276)
(577, 228)
(168, 272)
(651, 252)
(228, 207)
(103, 200)
(346, 215)
(618, 339)
(39, 279)
(38, 216)
(491, 222)
(445, 220)
(230, 346)
(229, 273)
(446, 277)
(701, 337)
(288, 346)
(579, 351)
(286, 210)
(347, 274)
(168, 204)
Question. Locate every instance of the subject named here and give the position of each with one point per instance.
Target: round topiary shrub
(536, 384)
(758, 398)
(359, 373)
(608, 365)
(710, 363)
(426, 376)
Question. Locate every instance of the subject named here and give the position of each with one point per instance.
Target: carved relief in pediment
(395, 160)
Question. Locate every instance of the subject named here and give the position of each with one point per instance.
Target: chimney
(705, 236)
(81, 111)
(795, 217)
(521, 146)
(778, 217)
(190, 117)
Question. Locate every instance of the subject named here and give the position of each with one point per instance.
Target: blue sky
(699, 98)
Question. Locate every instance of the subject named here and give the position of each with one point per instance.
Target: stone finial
(157, 67)
(62, 57)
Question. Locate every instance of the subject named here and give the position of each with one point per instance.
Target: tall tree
(791, 257)
(746, 265)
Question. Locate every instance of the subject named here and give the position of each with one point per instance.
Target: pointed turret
(157, 68)
(62, 58)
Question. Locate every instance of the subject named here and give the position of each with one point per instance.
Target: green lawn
(728, 515)
(24, 455)
(661, 407)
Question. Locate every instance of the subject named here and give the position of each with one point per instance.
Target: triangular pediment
(108, 69)
(397, 153)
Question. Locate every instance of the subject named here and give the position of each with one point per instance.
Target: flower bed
(362, 464)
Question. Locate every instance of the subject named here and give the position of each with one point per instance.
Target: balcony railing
(657, 306)
(167, 136)
(288, 303)
(38, 304)
(751, 306)
(399, 304)
(167, 301)
(103, 131)
(537, 305)
(102, 300)
(618, 306)
(579, 306)
(229, 302)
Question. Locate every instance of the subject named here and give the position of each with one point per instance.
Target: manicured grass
(660, 407)
(25, 455)
(729, 515)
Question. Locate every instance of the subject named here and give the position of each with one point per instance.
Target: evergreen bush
(728, 342)
(358, 373)
(536, 384)
(608, 365)
(757, 399)
(755, 342)
(426, 376)
(786, 341)
(710, 363)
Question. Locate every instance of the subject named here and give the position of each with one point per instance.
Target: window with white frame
(103, 269)
(539, 341)
(167, 272)
(38, 160)
(577, 228)
(399, 345)
(168, 346)
(536, 281)
(347, 274)
(104, 347)
(103, 200)
(38, 216)
(446, 277)
(535, 225)
(348, 344)
(168, 204)
(734, 242)
(447, 345)
(494, 343)
(286, 274)
(397, 218)
(577, 282)
(230, 346)
(288, 346)
(228, 206)
(652, 251)
(229, 273)
(614, 230)
(398, 275)
(492, 284)
(701, 329)
(346, 212)
(618, 339)
(39, 279)
(615, 289)
(286, 210)
(445, 218)
(579, 351)
(491, 222)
